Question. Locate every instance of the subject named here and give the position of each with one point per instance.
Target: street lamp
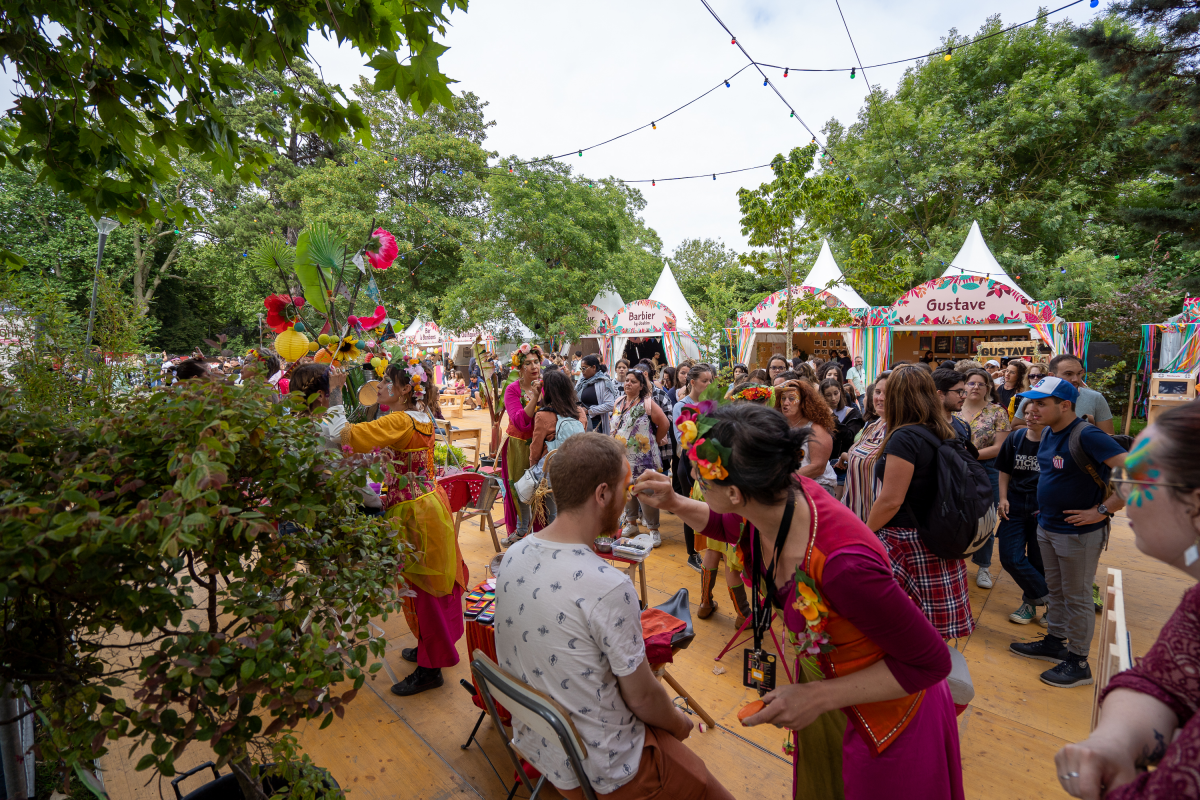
(104, 226)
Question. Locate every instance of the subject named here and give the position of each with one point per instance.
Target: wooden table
(639, 566)
(467, 434)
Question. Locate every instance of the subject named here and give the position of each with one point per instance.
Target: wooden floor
(390, 747)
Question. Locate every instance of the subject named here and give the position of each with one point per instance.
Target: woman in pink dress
(1148, 713)
(827, 576)
(521, 398)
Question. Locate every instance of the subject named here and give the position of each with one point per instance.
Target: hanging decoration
(283, 312)
(291, 344)
(382, 249)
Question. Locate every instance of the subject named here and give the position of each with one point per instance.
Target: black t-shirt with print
(1019, 458)
(910, 445)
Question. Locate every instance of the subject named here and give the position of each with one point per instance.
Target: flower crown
(708, 454)
(519, 354)
(753, 393)
(416, 376)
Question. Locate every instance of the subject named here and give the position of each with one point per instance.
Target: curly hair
(811, 405)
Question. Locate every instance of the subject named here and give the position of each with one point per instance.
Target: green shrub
(148, 596)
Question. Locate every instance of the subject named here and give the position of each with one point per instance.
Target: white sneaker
(656, 538)
(984, 579)
(630, 530)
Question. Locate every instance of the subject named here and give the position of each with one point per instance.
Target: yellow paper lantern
(291, 345)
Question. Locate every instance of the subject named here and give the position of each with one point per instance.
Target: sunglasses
(1125, 486)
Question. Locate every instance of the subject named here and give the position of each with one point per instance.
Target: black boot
(409, 654)
(421, 679)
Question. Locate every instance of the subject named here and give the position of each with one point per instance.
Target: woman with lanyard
(521, 402)
(989, 424)
(827, 576)
(859, 460)
(632, 417)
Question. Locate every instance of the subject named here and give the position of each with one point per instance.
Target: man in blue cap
(1074, 509)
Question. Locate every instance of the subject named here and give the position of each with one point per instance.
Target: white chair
(537, 711)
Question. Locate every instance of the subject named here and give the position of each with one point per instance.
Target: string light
(785, 72)
(714, 178)
(1095, 3)
(733, 40)
(654, 125)
(852, 73)
(581, 154)
(653, 183)
(949, 53)
(726, 84)
(764, 81)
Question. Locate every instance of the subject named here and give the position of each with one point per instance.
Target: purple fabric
(861, 587)
(439, 627)
(519, 421)
(517, 418)
(924, 763)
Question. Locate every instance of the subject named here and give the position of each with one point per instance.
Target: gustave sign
(960, 300)
(1008, 349)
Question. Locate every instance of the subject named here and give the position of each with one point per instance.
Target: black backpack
(963, 514)
(1084, 460)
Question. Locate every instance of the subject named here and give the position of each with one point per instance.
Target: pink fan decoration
(382, 250)
(366, 323)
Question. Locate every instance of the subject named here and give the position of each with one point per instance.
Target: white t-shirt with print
(567, 624)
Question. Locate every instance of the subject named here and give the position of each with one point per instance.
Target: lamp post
(104, 226)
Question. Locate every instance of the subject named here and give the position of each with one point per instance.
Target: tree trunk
(12, 749)
(243, 771)
(789, 349)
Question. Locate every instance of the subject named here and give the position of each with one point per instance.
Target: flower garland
(813, 639)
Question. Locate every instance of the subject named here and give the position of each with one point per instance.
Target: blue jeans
(983, 556)
(1020, 554)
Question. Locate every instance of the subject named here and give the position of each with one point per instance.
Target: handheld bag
(962, 515)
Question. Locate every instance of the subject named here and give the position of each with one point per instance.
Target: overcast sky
(561, 74)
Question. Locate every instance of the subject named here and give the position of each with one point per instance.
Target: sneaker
(655, 539)
(1073, 671)
(984, 579)
(1096, 598)
(1044, 621)
(509, 541)
(630, 530)
(695, 562)
(422, 679)
(1023, 615)
(1048, 648)
(409, 654)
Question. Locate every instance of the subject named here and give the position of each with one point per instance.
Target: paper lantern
(323, 356)
(291, 344)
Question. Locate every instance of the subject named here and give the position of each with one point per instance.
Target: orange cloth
(666, 762)
(658, 629)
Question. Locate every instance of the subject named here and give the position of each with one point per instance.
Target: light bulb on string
(654, 125)
(653, 183)
(785, 72)
(733, 40)
(1095, 3)
(581, 154)
(949, 53)
(714, 176)
(852, 73)
(726, 84)
(764, 81)
(791, 114)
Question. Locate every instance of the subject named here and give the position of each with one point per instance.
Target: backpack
(1084, 460)
(536, 476)
(963, 514)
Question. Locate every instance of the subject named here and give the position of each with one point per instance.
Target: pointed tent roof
(608, 301)
(667, 292)
(826, 270)
(975, 259)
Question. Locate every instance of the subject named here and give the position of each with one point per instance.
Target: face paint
(1139, 466)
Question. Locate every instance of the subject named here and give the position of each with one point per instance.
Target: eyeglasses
(1125, 486)
(976, 385)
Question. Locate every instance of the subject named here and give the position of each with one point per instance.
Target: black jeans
(1020, 554)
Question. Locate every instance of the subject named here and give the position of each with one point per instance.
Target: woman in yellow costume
(420, 513)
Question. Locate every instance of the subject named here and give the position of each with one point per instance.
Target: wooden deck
(391, 747)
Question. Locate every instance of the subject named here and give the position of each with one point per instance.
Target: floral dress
(987, 423)
(631, 427)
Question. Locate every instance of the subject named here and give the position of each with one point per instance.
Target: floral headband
(416, 376)
(753, 393)
(708, 454)
(519, 354)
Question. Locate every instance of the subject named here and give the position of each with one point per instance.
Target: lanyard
(762, 611)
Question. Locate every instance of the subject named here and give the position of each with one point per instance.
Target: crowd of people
(814, 499)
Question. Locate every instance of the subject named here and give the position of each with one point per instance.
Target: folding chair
(484, 490)
(537, 711)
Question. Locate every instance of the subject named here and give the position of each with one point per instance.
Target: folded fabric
(658, 629)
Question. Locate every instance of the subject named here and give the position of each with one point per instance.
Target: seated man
(569, 625)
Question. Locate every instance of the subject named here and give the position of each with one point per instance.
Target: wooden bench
(452, 405)
(1114, 655)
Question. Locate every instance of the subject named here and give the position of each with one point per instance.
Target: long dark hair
(830, 383)
(766, 452)
(398, 374)
(558, 394)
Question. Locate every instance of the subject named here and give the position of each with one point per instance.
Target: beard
(610, 516)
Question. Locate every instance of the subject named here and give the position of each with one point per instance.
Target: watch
(1103, 509)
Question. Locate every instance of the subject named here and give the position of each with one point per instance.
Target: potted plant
(190, 567)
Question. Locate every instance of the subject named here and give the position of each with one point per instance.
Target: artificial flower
(382, 249)
(282, 311)
(753, 393)
(347, 350)
(808, 602)
(687, 432)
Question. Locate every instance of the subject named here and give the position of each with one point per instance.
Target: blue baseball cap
(1052, 387)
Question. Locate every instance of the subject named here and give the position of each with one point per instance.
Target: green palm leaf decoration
(274, 254)
(318, 259)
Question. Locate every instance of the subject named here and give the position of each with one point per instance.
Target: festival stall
(598, 339)
(762, 331)
(1169, 361)
(661, 323)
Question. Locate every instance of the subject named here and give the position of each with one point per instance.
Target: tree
(1152, 45)
(109, 92)
(718, 287)
(551, 242)
(784, 217)
(1020, 132)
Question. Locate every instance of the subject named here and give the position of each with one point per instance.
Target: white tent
(826, 271)
(608, 302)
(976, 260)
(667, 292)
